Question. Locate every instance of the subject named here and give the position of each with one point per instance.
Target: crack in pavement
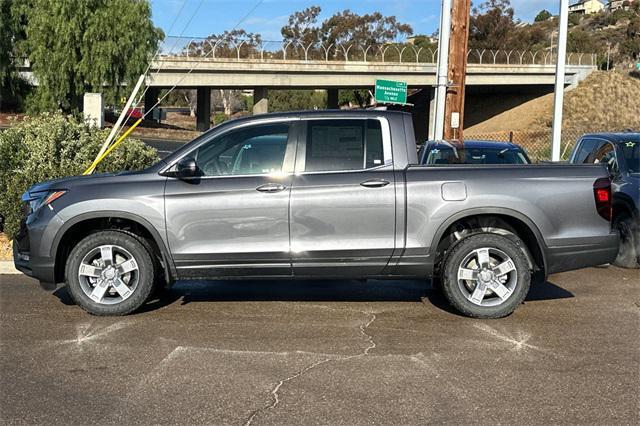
(276, 389)
(274, 392)
(367, 336)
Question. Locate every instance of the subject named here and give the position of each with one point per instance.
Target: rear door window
(334, 145)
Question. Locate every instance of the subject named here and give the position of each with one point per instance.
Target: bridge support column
(150, 99)
(332, 99)
(260, 100)
(203, 109)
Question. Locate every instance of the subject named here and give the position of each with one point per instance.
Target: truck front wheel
(110, 273)
(486, 276)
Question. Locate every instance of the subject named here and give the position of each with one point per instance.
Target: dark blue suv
(621, 153)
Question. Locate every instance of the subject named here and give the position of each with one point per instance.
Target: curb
(6, 267)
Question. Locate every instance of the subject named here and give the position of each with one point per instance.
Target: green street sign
(391, 92)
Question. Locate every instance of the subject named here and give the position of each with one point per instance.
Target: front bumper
(582, 253)
(40, 268)
(32, 245)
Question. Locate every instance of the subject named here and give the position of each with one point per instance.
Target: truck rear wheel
(110, 273)
(486, 276)
(629, 233)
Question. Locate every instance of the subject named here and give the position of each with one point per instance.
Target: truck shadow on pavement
(186, 292)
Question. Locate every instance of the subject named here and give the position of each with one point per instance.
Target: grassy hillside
(605, 101)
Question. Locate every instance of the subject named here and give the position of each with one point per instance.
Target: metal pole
(443, 69)
(560, 77)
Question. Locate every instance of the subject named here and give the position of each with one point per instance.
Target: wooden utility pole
(458, 47)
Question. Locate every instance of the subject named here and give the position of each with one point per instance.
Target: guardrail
(404, 53)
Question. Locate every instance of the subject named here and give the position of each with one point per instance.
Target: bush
(219, 117)
(51, 146)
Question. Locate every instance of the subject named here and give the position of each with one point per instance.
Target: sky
(200, 18)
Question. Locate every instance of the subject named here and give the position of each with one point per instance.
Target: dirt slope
(603, 101)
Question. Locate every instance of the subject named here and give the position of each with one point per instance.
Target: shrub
(51, 146)
(219, 117)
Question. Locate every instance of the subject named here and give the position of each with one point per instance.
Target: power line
(118, 141)
(198, 63)
(144, 92)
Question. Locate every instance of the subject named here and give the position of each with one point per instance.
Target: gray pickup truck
(324, 194)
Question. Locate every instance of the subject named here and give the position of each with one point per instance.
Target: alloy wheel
(487, 276)
(108, 274)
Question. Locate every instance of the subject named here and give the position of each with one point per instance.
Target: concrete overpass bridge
(484, 81)
(205, 64)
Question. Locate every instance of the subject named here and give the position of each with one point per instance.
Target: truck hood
(70, 181)
(66, 182)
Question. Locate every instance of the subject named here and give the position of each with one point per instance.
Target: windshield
(447, 155)
(631, 154)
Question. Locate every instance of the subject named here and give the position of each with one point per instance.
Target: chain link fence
(537, 143)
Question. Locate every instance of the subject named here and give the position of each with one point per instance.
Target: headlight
(39, 199)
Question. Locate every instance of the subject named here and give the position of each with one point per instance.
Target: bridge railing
(404, 53)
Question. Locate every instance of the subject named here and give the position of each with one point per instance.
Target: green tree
(354, 97)
(12, 87)
(368, 29)
(425, 42)
(574, 19)
(491, 25)
(296, 100)
(580, 40)
(76, 46)
(544, 15)
(302, 26)
(631, 45)
(226, 44)
(347, 28)
(344, 27)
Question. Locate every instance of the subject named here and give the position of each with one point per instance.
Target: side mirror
(185, 168)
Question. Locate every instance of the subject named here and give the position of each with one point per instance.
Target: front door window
(250, 151)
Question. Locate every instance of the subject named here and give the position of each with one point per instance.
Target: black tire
(519, 279)
(629, 234)
(145, 273)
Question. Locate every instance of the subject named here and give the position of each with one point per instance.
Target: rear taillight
(602, 195)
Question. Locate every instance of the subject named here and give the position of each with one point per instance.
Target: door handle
(271, 188)
(375, 183)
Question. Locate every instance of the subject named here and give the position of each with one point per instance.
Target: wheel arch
(526, 230)
(622, 203)
(84, 224)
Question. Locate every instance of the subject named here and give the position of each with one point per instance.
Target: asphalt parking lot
(334, 352)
